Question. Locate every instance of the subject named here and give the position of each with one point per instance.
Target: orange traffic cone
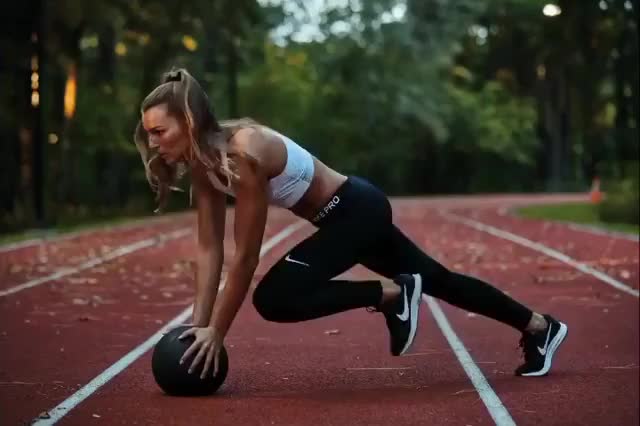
(595, 195)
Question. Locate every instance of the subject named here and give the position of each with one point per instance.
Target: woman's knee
(273, 303)
(383, 213)
(263, 301)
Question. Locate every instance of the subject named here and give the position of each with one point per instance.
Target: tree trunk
(39, 128)
(72, 46)
(626, 78)
(17, 118)
(555, 118)
(587, 83)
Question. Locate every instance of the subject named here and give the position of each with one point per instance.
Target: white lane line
(48, 236)
(494, 405)
(22, 244)
(543, 249)
(120, 251)
(71, 402)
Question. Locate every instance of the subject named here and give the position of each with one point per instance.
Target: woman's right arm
(211, 214)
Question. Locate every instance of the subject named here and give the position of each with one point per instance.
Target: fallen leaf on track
(620, 367)
(463, 391)
(85, 318)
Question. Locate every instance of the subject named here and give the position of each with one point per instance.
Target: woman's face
(166, 133)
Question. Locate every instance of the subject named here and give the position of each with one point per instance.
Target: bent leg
(300, 287)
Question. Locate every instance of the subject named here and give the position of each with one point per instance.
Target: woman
(179, 133)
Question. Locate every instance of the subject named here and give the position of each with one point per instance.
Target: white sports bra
(286, 189)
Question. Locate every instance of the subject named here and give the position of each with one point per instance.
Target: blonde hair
(186, 101)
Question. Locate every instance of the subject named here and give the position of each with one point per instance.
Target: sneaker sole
(414, 310)
(553, 345)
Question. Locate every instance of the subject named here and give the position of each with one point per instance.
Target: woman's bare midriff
(324, 185)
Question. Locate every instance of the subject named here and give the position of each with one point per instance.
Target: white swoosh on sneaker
(405, 314)
(543, 350)
(289, 259)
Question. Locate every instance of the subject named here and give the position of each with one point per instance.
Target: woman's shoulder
(249, 137)
(248, 141)
(261, 146)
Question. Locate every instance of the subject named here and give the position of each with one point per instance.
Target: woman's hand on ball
(207, 345)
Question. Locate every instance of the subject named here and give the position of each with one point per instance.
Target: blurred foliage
(422, 96)
(622, 201)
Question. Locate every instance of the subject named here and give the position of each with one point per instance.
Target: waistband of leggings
(331, 207)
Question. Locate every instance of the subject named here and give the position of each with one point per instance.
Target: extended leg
(398, 254)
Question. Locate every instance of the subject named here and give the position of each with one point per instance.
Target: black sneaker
(402, 316)
(539, 348)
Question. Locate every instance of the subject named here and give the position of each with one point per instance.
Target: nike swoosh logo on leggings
(289, 259)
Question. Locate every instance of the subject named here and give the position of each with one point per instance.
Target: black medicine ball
(174, 378)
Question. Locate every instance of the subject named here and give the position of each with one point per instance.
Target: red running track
(56, 337)
(46, 257)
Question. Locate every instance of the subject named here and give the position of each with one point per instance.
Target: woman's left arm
(250, 220)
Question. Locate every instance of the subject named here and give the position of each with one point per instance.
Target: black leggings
(356, 227)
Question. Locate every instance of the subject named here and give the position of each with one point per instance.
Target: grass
(580, 213)
(66, 228)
